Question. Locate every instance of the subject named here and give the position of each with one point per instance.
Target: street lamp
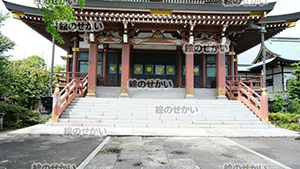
(263, 30)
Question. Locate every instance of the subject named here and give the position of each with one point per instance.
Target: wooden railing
(248, 90)
(61, 99)
(64, 78)
(232, 84)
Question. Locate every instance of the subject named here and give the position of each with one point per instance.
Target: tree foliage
(54, 13)
(5, 75)
(29, 80)
(5, 43)
(17, 116)
(59, 68)
(294, 84)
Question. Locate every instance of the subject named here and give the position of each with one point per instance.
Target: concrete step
(141, 113)
(122, 125)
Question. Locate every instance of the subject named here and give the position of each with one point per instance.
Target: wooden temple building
(149, 35)
(146, 39)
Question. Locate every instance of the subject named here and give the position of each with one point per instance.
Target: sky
(28, 42)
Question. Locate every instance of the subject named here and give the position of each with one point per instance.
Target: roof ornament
(224, 28)
(191, 40)
(125, 37)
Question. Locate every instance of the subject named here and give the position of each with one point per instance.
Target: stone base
(221, 97)
(124, 95)
(297, 138)
(91, 95)
(189, 96)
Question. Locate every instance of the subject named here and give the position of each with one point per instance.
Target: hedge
(17, 116)
(285, 120)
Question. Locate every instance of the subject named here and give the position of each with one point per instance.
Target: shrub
(17, 116)
(277, 106)
(294, 106)
(285, 120)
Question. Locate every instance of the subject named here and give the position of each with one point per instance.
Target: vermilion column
(235, 60)
(104, 66)
(93, 61)
(203, 71)
(231, 59)
(179, 67)
(125, 69)
(189, 72)
(75, 56)
(232, 71)
(221, 75)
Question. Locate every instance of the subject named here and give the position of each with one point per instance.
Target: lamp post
(52, 65)
(263, 31)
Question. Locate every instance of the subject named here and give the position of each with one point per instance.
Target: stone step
(152, 101)
(214, 126)
(142, 113)
(153, 110)
(161, 121)
(150, 116)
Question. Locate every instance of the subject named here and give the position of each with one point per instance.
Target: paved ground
(42, 129)
(175, 153)
(150, 152)
(22, 152)
(284, 150)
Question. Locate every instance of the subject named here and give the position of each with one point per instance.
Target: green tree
(5, 75)
(294, 84)
(56, 12)
(5, 45)
(29, 80)
(59, 68)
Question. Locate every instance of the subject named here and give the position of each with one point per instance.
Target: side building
(281, 53)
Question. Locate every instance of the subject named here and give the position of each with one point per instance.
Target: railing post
(239, 90)
(262, 80)
(264, 110)
(56, 104)
(249, 94)
(68, 93)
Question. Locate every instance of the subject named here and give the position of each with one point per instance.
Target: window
(84, 55)
(211, 70)
(211, 66)
(269, 82)
(84, 62)
(83, 66)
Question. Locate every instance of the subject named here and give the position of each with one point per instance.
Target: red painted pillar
(55, 107)
(189, 72)
(221, 74)
(75, 56)
(179, 67)
(236, 65)
(264, 108)
(104, 66)
(68, 66)
(93, 62)
(203, 71)
(232, 70)
(125, 70)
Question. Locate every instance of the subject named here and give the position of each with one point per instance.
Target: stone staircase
(142, 113)
(173, 93)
